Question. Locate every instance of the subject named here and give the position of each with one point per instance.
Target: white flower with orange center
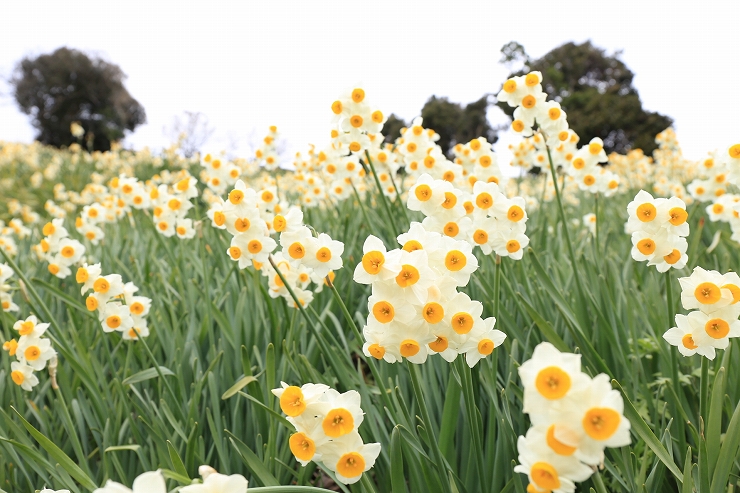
(452, 228)
(35, 351)
(484, 232)
(184, 228)
(547, 470)
(649, 246)
(552, 120)
(54, 231)
(7, 304)
(139, 330)
(289, 222)
(481, 344)
(644, 213)
(387, 303)
(240, 202)
(716, 328)
(214, 482)
(676, 259)
(510, 244)
(22, 375)
(376, 263)
(485, 196)
(216, 214)
(683, 337)
(323, 254)
(550, 376)
(293, 400)
(705, 290)
(254, 246)
(149, 482)
(415, 277)
(600, 415)
(427, 195)
(418, 238)
(107, 287)
(340, 413)
(115, 317)
(348, 457)
(87, 275)
(30, 327)
(674, 216)
(512, 91)
(455, 259)
(380, 344)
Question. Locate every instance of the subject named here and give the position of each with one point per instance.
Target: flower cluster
(218, 174)
(525, 94)
(8, 234)
(60, 251)
(153, 482)
(659, 229)
(118, 307)
(326, 424)
(267, 152)
(171, 205)
(485, 218)
(714, 298)
(6, 299)
(574, 417)
(31, 350)
(354, 121)
(250, 217)
(415, 309)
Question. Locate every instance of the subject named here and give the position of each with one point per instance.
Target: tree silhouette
(67, 86)
(455, 123)
(596, 91)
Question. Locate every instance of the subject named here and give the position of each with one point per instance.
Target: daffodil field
(372, 317)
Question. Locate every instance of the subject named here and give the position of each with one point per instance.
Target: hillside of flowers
(372, 316)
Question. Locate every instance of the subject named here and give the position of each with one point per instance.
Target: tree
(68, 86)
(455, 123)
(596, 92)
(392, 128)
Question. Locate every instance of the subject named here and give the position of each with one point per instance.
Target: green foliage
(596, 92)
(197, 391)
(68, 86)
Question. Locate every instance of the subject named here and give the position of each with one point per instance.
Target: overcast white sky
(248, 64)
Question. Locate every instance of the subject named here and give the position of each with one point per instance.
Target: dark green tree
(595, 90)
(456, 123)
(392, 128)
(69, 86)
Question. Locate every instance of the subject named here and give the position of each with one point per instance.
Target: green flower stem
(383, 198)
(359, 201)
(497, 289)
(704, 393)
(564, 222)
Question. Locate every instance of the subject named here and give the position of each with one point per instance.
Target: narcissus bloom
(550, 376)
(149, 482)
(214, 482)
(705, 290)
(348, 457)
(376, 262)
(323, 254)
(22, 375)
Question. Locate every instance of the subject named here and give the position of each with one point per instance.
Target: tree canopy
(595, 90)
(68, 86)
(456, 123)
